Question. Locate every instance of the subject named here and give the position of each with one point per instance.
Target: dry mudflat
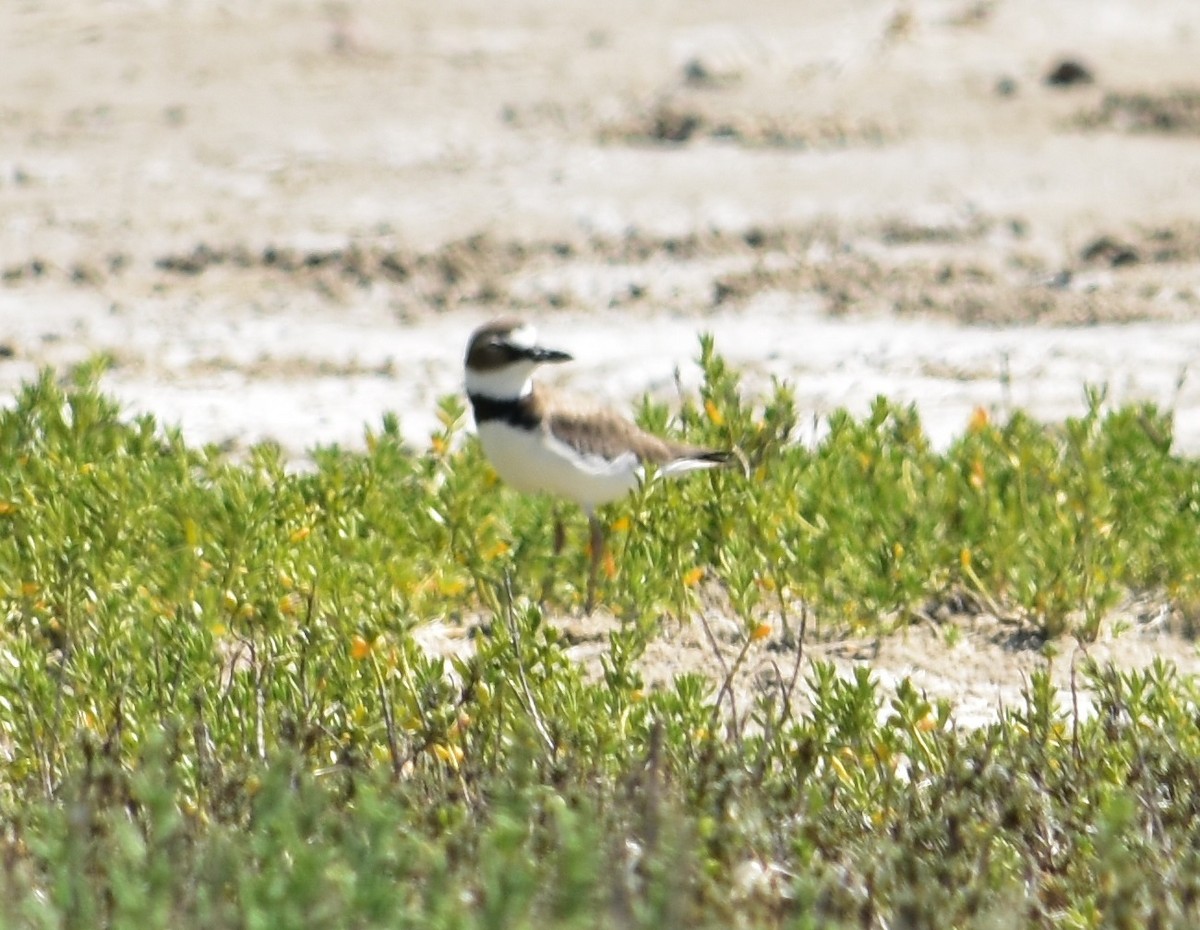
(281, 219)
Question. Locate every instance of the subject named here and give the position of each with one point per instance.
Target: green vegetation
(214, 713)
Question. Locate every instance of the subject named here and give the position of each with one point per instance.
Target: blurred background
(281, 219)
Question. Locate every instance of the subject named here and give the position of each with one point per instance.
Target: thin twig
(1074, 711)
(202, 739)
(726, 672)
(712, 641)
(306, 697)
(260, 704)
(791, 686)
(773, 725)
(652, 789)
(529, 702)
(389, 722)
(727, 688)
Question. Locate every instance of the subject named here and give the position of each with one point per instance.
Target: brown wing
(608, 434)
(604, 432)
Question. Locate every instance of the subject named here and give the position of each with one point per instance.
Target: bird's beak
(541, 356)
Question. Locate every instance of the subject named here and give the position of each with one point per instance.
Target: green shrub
(214, 711)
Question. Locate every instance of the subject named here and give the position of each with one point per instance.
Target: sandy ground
(281, 219)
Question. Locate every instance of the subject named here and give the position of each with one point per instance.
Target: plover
(540, 441)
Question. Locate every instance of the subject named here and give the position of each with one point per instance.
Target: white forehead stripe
(524, 336)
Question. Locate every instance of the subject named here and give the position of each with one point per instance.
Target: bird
(542, 441)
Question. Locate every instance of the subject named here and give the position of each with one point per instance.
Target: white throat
(509, 382)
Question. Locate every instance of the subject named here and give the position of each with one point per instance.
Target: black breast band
(516, 411)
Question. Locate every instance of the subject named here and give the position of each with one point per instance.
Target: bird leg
(560, 534)
(597, 553)
(560, 540)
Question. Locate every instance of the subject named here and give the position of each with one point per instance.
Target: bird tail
(705, 458)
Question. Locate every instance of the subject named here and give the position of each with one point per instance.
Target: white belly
(536, 462)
